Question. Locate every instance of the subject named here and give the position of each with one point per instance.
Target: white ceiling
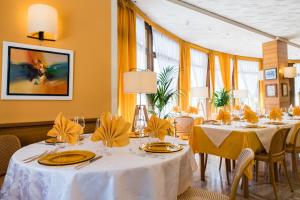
(277, 17)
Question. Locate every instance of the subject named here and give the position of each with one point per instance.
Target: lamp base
(139, 110)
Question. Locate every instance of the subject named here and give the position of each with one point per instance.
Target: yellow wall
(84, 27)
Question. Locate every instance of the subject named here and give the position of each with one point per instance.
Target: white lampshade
(242, 93)
(290, 72)
(42, 18)
(261, 75)
(140, 82)
(199, 92)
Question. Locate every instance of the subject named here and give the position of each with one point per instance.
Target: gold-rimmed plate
(54, 140)
(161, 147)
(276, 123)
(254, 126)
(137, 135)
(66, 158)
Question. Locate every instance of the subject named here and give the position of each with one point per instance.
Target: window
(248, 78)
(141, 57)
(297, 85)
(166, 54)
(199, 62)
(218, 75)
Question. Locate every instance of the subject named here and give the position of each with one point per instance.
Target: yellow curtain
(235, 73)
(261, 89)
(126, 56)
(224, 60)
(211, 63)
(184, 75)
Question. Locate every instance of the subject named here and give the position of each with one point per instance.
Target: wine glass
(98, 123)
(80, 121)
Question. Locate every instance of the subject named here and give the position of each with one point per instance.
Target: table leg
(202, 166)
(245, 186)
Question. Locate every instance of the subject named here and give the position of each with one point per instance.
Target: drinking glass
(81, 122)
(98, 123)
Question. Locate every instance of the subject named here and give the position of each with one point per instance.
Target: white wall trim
(114, 56)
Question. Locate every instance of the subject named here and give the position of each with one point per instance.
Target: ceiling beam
(230, 21)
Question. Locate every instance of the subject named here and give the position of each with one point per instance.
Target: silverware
(31, 157)
(41, 155)
(81, 165)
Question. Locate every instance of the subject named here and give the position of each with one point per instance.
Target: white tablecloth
(218, 133)
(128, 174)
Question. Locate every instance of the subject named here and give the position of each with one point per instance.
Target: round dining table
(122, 173)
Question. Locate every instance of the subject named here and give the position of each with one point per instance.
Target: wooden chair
(245, 158)
(294, 150)
(184, 126)
(276, 155)
(9, 144)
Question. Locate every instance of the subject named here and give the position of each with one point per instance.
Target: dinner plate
(136, 135)
(54, 140)
(66, 158)
(254, 126)
(161, 147)
(276, 123)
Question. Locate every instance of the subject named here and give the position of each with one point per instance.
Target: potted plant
(221, 98)
(165, 93)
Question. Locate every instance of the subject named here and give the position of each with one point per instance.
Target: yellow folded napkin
(246, 107)
(158, 128)
(237, 107)
(250, 116)
(192, 110)
(176, 109)
(65, 129)
(296, 111)
(275, 114)
(224, 116)
(198, 120)
(113, 130)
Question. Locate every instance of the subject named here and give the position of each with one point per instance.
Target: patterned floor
(261, 190)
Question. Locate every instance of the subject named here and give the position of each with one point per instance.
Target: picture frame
(271, 90)
(284, 89)
(31, 72)
(271, 74)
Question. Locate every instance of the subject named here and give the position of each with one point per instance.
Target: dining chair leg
(286, 174)
(272, 179)
(205, 162)
(227, 166)
(202, 167)
(256, 170)
(294, 165)
(245, 186)
(220, 163)
(233, 164)
(276, 171)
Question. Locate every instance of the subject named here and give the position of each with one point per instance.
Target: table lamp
(290, 72)
(240, 94)
(140, 82)
(200, 93)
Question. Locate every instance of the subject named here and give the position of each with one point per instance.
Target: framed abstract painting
(32, 72)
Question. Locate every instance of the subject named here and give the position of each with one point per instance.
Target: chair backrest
(297, 138)
(9, 144)
(184, 124)
(278, 142)
(244, 160)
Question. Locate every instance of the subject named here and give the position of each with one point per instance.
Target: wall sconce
(42, 22)
(290, 72)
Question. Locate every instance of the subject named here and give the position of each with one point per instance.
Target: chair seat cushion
(196, 194)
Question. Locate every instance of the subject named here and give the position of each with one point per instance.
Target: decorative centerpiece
(221, 99)
(224, 117)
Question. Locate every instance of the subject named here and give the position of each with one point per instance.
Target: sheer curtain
(166, 54)
(199, 63)
(297, 85)
(218, 76)
(248, 78)
(141, 57)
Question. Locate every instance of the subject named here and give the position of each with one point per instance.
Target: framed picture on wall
(271, 90)
(271, 74)
(32, 72)
(284, 89)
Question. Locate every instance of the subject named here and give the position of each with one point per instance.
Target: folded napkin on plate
(113, 130)
(176, 109)
(65, 129)
(198, 120)
(250, 116)
(237, 107)
(224, 116)
(158, 128)
(296, 111)
(275, 114)
(246, 107)
(192, 110)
